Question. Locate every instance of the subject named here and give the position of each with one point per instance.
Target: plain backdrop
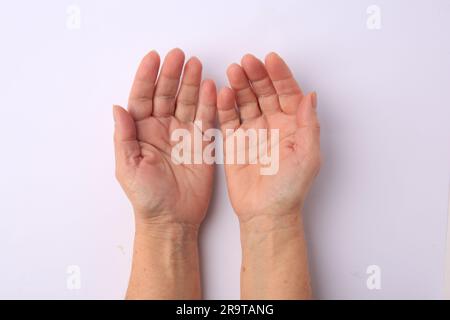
(382, 194)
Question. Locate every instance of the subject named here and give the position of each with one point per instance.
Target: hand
(159, 189)
(268, 97)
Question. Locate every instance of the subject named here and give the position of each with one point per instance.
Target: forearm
(274, 258)
(165, 262)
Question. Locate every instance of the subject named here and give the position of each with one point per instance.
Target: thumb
(306, 113)
(125, 142)
(125, 129)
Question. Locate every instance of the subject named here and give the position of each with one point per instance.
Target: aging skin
(274, 257)
(170, 200)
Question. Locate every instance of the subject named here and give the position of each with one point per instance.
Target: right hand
(267, 97)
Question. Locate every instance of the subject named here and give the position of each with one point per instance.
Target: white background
(382, 194)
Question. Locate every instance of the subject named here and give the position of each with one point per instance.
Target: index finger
(140, 102)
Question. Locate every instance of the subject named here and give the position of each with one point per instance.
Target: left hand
(159, 189)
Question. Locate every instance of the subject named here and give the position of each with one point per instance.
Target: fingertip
(232, 68)
(253, 67)
(194, 62)
(173, 63)
(274, 59)
(225, 99)
(248, 58)
(306, 114)
(208, 93)
(153, 54)
(124, 125)
(177, 52)
(209, 85)
(236, 76)
(175, 57)
(226, 91)
(120, 113)
(310, 98)
(115, 111)
(193, 71)
(276, 66)
(151, 61)
(314, 99)
(206, 110)
(272, 56)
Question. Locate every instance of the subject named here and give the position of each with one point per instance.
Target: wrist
(165, 228)
(269, 222)
(164, 252)
(268, 235)
(274, 257)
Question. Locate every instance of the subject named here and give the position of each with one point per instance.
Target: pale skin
(170, 200)
(274, 257)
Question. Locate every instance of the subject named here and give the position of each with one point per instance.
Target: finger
(140, 101)
(167, 85)
(187, 98)
(308, 125)
(262, 85)
(126, 146)
(226, 107)
(245, 97)
(306, 113)
(206, 111)
(288, 90)
(308, 132)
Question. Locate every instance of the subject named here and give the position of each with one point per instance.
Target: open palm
(268, 97)
(157, 187)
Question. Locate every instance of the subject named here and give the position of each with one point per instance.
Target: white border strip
(447, 260)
